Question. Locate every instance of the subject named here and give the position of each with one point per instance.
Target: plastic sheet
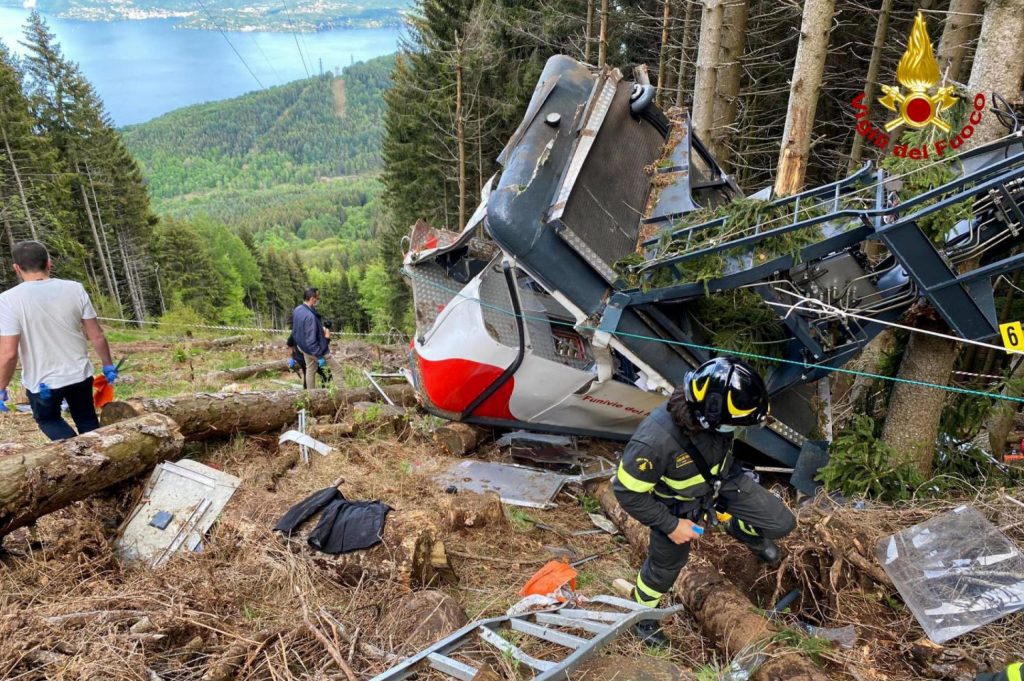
(956, 572)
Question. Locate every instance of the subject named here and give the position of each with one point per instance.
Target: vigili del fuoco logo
(917, 102)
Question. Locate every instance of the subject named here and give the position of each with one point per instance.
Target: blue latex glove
(110, 371)
(321, 362)
(4, 396)
(291, 362)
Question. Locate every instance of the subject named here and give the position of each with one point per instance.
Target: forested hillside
(301, 132)
(256, 198)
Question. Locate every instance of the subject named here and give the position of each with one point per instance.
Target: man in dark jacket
(311, 339)
(677, 472)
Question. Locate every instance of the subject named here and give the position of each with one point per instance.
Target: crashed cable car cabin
(530, 319)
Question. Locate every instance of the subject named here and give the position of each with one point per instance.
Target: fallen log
(458, 439)
(35, 481)
(221, 342)
(724, 612)
(208, 415)
(278, 365)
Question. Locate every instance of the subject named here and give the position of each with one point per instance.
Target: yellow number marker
(1013, 336)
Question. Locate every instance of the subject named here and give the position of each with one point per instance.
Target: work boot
(762, 547)
(650, 634)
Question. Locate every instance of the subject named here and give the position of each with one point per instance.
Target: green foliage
(811, 646)
(180, 321)
(376, 294)
(520, 519)
(920, 177)
(741, 321)
(66, 177)
(590, 503)
(860, 464)
(299, 133)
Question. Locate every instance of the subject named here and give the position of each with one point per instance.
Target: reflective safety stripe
(631, 483)
(688, 482)
(644, 594)
(1013, 672)
(746, 529)
(676, 497)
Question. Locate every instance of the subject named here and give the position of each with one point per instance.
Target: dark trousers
(757, 511)
(47, 412)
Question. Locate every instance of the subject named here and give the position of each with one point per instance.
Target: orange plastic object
(546, 581)
(102, 391)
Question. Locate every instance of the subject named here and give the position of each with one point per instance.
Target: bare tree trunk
(959, 32)
(107, 273)
(602, 45)
(708, 54)
(132, 279)
(803, 95)
(999, 67)
(666, 23)
(871, 87)
(110, 259)
(276, 366)
(684, 52)
(21, 188)
(998, 61)
(108, 267)
(460, 133)
(734, 42)
(912, 421)
(35, 481)
(588, 31)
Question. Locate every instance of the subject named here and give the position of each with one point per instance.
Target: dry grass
(70, 610)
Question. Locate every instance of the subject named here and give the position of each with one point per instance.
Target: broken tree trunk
(708, 47)
(278, 365)
(208, 415)
(35, 481)
(724, 612)
(803, 95)
(403, 557)
(459, 439)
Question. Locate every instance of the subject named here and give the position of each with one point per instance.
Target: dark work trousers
(47, 412)
(758, 512)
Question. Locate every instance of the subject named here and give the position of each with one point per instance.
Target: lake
(145, 68)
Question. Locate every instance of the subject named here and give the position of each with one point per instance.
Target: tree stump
(421, 619)
(403, 557)
(469, 509)
(458, 439)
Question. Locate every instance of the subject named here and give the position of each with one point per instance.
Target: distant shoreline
(235, 21)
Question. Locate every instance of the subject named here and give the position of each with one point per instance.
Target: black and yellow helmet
(725, 392)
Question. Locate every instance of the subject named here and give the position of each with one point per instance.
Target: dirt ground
(69, 609)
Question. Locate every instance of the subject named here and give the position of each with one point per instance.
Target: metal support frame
(605, 625)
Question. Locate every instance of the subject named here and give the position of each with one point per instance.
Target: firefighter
(677, 472)
(1012, 673)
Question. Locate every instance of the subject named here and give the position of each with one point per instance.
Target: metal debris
(179, 504)
(956, 572)
(304, 440)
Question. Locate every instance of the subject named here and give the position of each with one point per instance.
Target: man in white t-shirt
(46, 322)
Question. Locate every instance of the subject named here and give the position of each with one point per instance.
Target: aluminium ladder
(604, 625)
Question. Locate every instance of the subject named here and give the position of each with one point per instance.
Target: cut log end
(471, 510)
